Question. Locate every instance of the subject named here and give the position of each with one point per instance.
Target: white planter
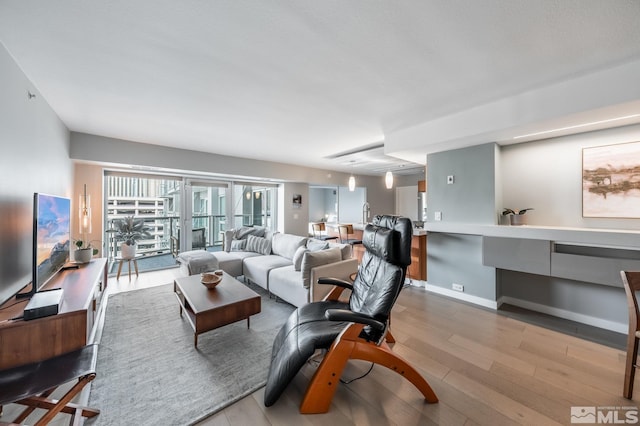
(83, 255)
(128, 251)
(518, 219)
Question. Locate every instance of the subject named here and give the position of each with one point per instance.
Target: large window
(183, 213)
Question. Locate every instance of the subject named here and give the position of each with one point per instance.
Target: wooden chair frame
(319, 229)
(24, 385)
(631, 281)
(349, 345)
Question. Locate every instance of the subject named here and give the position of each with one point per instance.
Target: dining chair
(344, 231)
(319, 232)
(631, 282)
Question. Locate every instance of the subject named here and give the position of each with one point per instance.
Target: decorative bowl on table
(211, 279)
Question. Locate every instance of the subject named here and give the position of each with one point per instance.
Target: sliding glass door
(154, 199)
(206, 214)
(182, 213)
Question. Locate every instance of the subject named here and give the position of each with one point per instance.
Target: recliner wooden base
(349, 345)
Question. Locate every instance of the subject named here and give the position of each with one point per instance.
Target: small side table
(128, 260)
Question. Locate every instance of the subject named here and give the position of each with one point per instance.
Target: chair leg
(389, 337)
(384, 356)
(630, 365)
(322, 387)
(31, 408)
(317, 399)
(54, 407)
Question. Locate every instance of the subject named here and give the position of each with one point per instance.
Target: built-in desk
(23, 342)
(568, 272)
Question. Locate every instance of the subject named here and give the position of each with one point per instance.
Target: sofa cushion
(312, 259)
(258, 245)
(315, 245)
(257, 268)
(285, 283)
(231, 262)
(297, 257)
(345, 249)
(285, 245)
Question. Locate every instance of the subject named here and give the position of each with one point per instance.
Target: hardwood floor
(486, 368)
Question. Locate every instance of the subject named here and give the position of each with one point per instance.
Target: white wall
(350, 204)
(293, 219)
(547, 175)
(407, 201)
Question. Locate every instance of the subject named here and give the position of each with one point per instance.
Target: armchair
(357, 329)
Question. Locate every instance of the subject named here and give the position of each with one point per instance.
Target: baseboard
(569, 315)
(491, 304)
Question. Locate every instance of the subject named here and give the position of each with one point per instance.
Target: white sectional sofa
(286, 265)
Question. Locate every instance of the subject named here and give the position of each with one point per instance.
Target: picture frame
(611, 181)
(297, 201)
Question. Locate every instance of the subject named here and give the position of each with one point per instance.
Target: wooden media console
(23, 342)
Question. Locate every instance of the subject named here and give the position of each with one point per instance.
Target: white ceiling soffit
(299, 81)
(372, 159)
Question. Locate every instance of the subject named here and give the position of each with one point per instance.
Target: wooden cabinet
(418, 268)
(22, 342)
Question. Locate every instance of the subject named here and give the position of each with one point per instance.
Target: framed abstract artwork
(611, 181)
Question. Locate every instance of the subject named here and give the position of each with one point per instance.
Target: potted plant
(516, 217)
(84, 251)
(129, 230)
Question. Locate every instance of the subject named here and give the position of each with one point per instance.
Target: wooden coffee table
(228, 302)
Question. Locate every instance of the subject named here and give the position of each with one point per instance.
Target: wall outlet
(457, 287)
(437, 215)
(450, 180)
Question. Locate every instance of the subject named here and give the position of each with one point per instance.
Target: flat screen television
(16, 249)
(51, 236)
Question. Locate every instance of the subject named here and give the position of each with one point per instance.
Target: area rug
(149, 372)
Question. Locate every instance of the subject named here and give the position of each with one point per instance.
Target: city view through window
(175, 225)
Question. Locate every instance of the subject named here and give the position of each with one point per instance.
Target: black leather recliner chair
(357, 329)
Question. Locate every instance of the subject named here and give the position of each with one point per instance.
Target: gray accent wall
(472, 197)
(35, 158)
(457, 258)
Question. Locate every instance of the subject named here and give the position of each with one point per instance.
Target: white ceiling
(302, 81)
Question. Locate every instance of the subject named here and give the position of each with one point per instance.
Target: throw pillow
(315, 245)
(245, 231)
(285, 245)
(297, 258)
(238, 245)
(311, 259)
(258, 245)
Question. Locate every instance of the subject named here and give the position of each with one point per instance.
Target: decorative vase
(83, 255)
(128, 251)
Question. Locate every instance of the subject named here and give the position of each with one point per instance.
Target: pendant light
(388, 179)
(352, 183)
